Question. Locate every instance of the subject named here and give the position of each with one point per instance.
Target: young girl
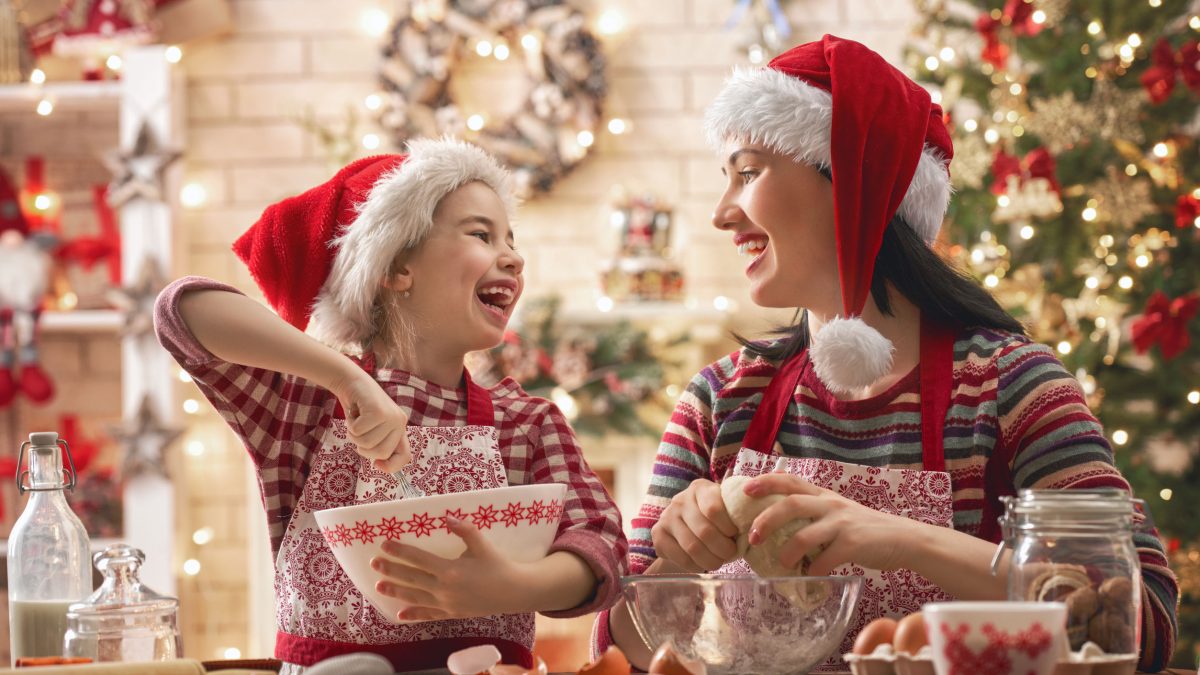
(906, 400)
(408, 263)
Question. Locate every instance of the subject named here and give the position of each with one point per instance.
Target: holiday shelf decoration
(643, 267)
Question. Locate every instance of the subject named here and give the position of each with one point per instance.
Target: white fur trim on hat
(849, 355)
(396, 216)
(785, 113)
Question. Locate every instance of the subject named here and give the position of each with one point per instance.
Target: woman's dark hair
(941, 291)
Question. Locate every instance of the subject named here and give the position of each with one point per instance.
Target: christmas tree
(1078, 203)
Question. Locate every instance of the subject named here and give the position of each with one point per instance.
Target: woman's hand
(480, 582)
(695, 532)
(376, 425)
(846, 530)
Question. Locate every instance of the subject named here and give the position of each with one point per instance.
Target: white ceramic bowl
(519, 520)
(1005, 638)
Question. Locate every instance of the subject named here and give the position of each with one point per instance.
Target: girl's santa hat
(323, 254)
(837, 105)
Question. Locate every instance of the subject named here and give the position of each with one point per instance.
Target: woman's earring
(406, 294)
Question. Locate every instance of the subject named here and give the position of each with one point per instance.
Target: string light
(611, 22)
(45, 107)
(932, 63)
(1125, 282)
(947, 54)
(1003, 201)
(191, 567)
(501, 52)
(721, 303)
(191, 406)
(232, 653)
(373, 102)
(1142, 260)
(755, 53)
(1134, 40)
(1089, 214)
(38, 76)
(565, 402)
(193, 195)
(371, 141)
(1094, 28)
(936, 97)
(672, 390)
(1092, 283)
(1131, 170)
(586, 138)
(173, 54)
(616, 126)
(1106, 240)
(1027, 232)
(1120, 437)
(475, 122)
(1091, 72)
(1161, 150)
(530, 42)
(604, 303)
(483, 48)
(1064, 348)
(203, 536)
(970, 125)
(113, 62)
(1126, 52)
(1156, 3)
(1194, 397)
(1039, 17)
(991, 281)
(374, 22)
(991, 136)
(185, 376)
(1166, 494)
(194, 449)
(1015, 88)
(1194, 22)
(42, 202)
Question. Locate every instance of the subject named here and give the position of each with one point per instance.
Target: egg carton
(885, 662)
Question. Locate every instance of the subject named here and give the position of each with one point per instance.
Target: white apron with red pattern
(922, 495)
(321, 614)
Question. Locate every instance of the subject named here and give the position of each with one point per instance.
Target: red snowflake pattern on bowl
(424, 524)
(996, 656)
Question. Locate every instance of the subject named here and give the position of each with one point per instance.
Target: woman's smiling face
(780, 213)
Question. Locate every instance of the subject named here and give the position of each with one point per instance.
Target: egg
(910, 634)
(611, 662)
(473, 660)
(881, 631)
(667, 661)
(506, 669)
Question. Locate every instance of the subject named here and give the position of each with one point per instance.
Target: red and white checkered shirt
(281, 419)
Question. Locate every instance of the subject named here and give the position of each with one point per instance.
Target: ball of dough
(743, 509)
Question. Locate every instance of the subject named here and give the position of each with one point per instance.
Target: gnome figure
(24, 276)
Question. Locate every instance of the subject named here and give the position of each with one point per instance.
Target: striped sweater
(1017, 419)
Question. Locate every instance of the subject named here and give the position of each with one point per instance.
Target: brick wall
(244, 94)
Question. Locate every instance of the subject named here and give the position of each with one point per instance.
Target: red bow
(1165, 323)
(1038, 163)
(1187, 209)
(87, 251)
(1159, 78)
(1018, 15)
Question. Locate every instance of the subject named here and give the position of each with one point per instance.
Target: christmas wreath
(556, 124)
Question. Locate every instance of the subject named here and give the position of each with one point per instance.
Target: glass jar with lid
(1076, 547)
(123, 620)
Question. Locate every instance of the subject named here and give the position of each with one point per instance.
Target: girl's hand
(848, 531)
(695, 532)
(376, 425)
(480, 582)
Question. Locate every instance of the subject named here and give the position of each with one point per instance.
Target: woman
(907, 401)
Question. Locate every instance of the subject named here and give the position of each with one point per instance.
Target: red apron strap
(428, 654)
(764, 426)
(937, 376)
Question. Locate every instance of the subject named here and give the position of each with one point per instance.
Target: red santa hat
(322, 254)
(837, 105)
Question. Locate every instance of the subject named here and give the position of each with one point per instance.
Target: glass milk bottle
(48, 561)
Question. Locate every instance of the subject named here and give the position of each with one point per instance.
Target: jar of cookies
(1076, 547)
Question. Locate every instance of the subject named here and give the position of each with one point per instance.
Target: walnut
(1117, 593)
(1112, 632)
(1082, 607)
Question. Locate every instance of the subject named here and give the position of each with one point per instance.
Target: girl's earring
(406, 294)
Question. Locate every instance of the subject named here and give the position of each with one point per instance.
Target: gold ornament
(1116, 111)
(1060, 121)
(144, 438)
(971, 163)
(138, 173)
(1122, 200)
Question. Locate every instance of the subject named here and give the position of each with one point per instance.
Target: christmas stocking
(32, 381)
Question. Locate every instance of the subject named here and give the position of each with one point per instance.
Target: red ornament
(1187, 209)
(87, 251)
(994, 51)
(1165, 323)
(1172, 545)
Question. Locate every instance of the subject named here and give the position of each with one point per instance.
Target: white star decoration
(138, 172)
(136, 301)
(143, 439)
